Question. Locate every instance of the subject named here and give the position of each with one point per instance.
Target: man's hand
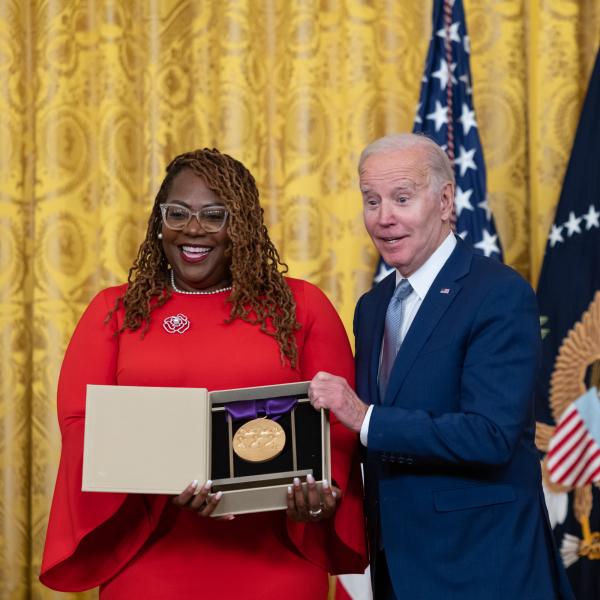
(328, 391)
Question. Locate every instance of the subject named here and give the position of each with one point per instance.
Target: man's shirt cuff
(364, 428)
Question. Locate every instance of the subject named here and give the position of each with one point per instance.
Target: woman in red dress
(206, 258)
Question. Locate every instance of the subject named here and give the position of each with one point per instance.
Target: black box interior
(309, 445)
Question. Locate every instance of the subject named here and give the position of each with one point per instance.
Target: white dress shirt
(421, 280)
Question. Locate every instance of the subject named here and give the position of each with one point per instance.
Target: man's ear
(446, 200)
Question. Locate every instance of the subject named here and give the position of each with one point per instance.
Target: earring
(160, 236)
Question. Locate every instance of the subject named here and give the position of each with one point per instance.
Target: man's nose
(387, 214)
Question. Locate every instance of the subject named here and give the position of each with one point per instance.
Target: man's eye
(401, 199)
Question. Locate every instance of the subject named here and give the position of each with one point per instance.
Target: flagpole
(448, 6)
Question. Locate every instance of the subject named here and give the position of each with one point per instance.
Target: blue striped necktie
(391, 334)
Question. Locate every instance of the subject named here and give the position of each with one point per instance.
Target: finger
(291, 510)
(225, 518)
(313, 497)
(186, 495)
(291, 503)
(319, 383)
(323, 376)
(318, 400)
(299, 499)
(211, 503)
(200, 498)
(329, 500)
(312, 394)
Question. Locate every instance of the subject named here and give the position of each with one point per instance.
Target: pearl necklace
(196, 292)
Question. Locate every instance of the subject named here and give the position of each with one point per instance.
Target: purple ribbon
(252, 409)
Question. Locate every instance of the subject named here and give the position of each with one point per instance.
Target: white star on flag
(443, 73)
(486, 206)
(418, 114)
(555, 236)
(453, 32)
(465, 79)
(439, 115)
(467, 44)
(591, 218)
(467, 119)
(465, 160)
(572, 224)
(461, 201)
(488, 244)
(383, 272)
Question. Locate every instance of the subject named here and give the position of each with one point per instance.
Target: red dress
(142, 546)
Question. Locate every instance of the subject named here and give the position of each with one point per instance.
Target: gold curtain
(96, 96)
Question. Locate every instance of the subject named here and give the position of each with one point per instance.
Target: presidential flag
(445, 113)
(569, 299)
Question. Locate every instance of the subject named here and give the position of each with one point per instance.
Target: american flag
(445, 113)
(574, 449)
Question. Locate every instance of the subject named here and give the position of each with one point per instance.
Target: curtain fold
(97, 96)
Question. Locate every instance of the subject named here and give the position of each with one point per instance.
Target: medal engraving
(259, 440)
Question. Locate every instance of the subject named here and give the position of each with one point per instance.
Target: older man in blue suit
(447, 350)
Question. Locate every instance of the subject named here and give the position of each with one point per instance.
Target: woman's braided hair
(260, 295)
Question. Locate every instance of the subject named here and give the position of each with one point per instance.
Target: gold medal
(259, 440)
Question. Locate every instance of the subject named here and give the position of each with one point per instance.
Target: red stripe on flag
(591, 459)
(583, 460)
(555, 463)
(593, 476)
(552, 454)
(569, 458)
(566, 419)
(576, 461)
(555, 449)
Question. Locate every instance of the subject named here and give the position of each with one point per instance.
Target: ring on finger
(315, 513)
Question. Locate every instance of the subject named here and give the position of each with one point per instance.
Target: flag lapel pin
(445, 291)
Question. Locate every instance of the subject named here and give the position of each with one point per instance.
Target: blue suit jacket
(451, 468)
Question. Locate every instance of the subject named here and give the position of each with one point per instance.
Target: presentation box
(156, 440)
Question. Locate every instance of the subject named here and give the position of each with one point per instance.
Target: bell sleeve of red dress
(338, 544)
(91, 535)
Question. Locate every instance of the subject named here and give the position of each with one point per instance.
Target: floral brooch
(176, 324)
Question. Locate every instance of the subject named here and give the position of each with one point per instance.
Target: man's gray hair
(439, 164)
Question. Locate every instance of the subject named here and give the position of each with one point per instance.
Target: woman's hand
(203, 503)
(311, 507)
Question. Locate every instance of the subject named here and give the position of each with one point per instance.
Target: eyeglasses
(211, 218)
